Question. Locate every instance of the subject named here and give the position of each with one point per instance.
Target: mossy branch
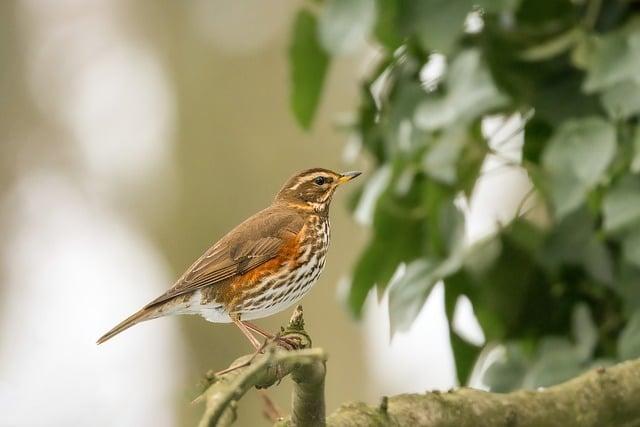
(601, 397)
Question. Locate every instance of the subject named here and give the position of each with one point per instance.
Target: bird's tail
(144, 314)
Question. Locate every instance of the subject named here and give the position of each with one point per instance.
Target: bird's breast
(295, 276)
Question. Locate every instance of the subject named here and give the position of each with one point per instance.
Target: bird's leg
(245, 331)
(289, 344)
(257, 329)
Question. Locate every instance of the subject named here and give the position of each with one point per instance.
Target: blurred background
(132, 136)
(501, 148)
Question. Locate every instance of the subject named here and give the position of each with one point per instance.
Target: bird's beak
(348, 176)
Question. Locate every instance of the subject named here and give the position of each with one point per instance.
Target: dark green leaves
(309, 65)
(469, 93)
(555, 292)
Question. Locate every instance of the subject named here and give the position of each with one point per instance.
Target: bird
(262, 266)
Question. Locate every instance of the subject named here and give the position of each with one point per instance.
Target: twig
(306, 367)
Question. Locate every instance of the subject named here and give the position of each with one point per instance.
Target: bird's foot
(288, 342)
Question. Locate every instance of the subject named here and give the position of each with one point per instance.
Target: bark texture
(601, 397)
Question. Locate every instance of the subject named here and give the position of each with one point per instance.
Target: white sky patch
(414, 360)
(73, 271)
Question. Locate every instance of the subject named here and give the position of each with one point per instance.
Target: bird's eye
(319, 180)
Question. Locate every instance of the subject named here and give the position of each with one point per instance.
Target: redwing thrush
(264, 265)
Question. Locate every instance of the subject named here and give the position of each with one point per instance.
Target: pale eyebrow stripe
(302, 181)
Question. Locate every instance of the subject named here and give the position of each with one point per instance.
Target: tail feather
(144, 314)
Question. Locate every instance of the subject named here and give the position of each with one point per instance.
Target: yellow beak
(348, 176)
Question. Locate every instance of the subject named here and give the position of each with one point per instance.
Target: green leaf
(481, 256)
(616, 58)
(635, 161)
(386, 28)
(554, 47)
(622, 100)
(308, 64)
(465, 355)
(576, 159)
(410, 290)
(629, 339)
(398, 237)
(627, 288)
(346, 24)
(621, 205)
(557, 361)
(470, 92)
(574, 242)
(507, 372)
(498, 6)
(437, 24)
(584, 331)
(631, 247)
(440, 160)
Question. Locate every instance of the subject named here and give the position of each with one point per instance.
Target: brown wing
(250, 244)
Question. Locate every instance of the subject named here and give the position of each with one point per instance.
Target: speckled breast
(294, 279)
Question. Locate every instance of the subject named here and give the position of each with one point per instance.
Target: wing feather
(249, 245)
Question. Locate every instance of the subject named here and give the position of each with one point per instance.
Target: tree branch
(601, 397)
(306, 367)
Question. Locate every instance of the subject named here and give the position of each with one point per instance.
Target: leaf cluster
(552, 297)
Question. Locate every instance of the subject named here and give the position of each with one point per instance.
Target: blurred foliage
(552, 299)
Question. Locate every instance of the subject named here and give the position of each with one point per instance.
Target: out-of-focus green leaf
(470, 164)
(507, 373)
(621, 205)
(397, 238)
(575, 159)
(309, 64)
(554, 47)
(440, 160)
(584, 331)
(375, 186)
(627, 287)
(631, 247)
(470, 92)
(465, 355)
(573, 242)
(557, 361)
(616, 58)
(481, 255)
(498, 6)
(635, 161)
(622, 100)
(386, 29)
(629, 340)
(346, 24)
(410, 290)
(596, 260)
(436, 24)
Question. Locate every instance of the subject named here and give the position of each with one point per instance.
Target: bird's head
(312, 189)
